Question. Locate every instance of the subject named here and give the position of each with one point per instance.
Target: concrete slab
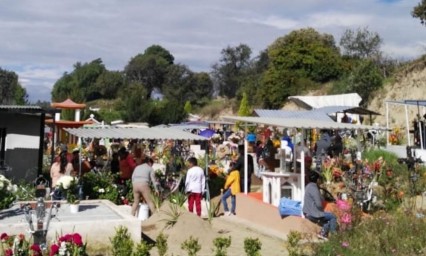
(96, 221)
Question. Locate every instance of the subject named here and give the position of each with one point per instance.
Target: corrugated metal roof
(300, 123)
(134, 133)
(303, 114)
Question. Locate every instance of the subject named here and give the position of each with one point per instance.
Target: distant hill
(409, 83)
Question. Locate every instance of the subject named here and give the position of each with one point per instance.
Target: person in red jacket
(127, 164)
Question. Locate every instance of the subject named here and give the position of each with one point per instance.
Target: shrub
(191, 245)
(122, 243)
(161, 244)
(383, 234)
(142, 249)
(252, 246)
(221, 244)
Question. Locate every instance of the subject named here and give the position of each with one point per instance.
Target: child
(232, 187)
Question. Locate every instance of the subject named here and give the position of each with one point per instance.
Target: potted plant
(68, 185)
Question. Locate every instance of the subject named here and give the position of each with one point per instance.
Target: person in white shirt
(195, 183)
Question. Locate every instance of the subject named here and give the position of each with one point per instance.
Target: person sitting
(313, 208)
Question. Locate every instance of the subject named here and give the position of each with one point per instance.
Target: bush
(252, 246)
(384, 234)
(122, 243)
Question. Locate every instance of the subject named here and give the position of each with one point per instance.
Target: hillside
(409, 83)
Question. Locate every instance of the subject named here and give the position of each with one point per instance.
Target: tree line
(153, 88)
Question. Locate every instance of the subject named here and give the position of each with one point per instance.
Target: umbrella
(207, 133)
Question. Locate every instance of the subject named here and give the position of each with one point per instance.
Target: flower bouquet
(68, 185)
(7, 190)
(69, 244)
(18, 245)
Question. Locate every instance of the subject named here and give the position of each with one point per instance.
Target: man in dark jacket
(239, 165)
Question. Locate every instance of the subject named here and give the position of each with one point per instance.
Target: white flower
(1, 185)
(101, 190)
(65, 181)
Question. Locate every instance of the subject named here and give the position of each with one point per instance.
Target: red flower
(21, 237)
(66, 238)
(4, 237)
(8, 252)
(77, 239)
(54, 249)
(36, 250)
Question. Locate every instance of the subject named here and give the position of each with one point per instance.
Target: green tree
(252, 79)
(307, 53)
(187, 107)
(203, 88)
(419, 12)
(109, 83)
(11, 92)
(80, 84)
(361, 43)
(365, 79)
(178, 84)
(244, 109)
(230, 69)
(149, 69)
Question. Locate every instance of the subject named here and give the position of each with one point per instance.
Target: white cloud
(42, 39)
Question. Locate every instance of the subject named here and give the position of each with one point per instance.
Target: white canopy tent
(293, 123)
(155, 133)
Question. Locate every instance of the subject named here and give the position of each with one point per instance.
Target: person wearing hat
(313, 208)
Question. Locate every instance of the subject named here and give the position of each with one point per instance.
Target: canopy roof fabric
(409, 102)
(310, 102)
(304, 114)
(134, 133)
(347, 109)
(300, 123)
(68, 104)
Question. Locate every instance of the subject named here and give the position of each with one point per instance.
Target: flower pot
(74, 208)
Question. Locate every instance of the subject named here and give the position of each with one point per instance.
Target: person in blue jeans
(231, 188)
(313, 208)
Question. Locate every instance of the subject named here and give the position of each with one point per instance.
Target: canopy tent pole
(387, 123)
(302, 172)
(245, 160)
(407, 126)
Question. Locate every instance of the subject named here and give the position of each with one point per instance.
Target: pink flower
(345, 244)
(54, 249)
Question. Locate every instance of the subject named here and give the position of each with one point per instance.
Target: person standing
(60, 167)
(231, 188)
(141, 178)
(313, 208)
(195, 183)
(239, 165)
(127, 164)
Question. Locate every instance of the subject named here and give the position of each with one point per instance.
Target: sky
(43, 39)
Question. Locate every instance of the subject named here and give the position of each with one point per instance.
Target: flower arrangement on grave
(395, 137)
(216, 138)
(18, 245)
(7, 192)
(69, 244)
(234, 138)
(68, 185)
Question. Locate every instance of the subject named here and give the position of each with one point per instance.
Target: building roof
(67, 104)
(312, 102)
(133, 133)
(21, 108)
